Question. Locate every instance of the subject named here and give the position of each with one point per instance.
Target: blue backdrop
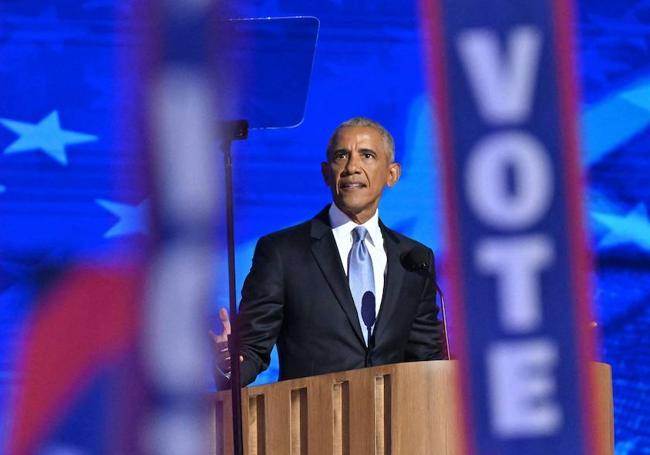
(60, 198)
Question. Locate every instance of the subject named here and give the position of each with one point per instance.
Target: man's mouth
(351, 185)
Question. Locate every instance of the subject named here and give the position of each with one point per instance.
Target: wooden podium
(406, 408)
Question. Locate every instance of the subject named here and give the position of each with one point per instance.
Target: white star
(633, 227)
(46, 136)
(133, 219)
(638, 95)
(624, 447)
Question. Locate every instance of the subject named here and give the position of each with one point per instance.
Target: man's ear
(326, 171)
(394, 172)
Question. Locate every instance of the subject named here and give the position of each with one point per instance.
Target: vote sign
(518, 263)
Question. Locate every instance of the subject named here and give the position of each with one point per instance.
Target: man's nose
(352, 164)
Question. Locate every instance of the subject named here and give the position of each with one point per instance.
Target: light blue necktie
(362, 281)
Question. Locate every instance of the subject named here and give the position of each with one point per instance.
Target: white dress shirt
(342, 227)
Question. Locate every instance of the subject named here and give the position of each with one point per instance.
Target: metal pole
(231, 131)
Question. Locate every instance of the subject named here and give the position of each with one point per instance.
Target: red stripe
(86, 321)
(579, 253)
(437, 69)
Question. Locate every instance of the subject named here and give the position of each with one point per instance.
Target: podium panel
(406, 408)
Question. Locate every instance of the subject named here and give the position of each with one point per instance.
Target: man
(340, 291)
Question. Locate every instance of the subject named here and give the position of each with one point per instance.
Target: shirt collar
(342, 223)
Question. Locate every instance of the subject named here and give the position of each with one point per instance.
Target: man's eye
(368, 155)
(340, 155)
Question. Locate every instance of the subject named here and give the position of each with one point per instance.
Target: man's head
(360, 164)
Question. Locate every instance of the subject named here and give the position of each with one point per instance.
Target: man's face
(357, 171)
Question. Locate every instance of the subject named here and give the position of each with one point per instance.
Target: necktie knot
(359, 233)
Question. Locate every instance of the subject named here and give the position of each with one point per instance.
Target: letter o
(486, 180)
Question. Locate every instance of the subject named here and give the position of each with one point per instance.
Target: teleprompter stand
(231, 131)
(262, 73)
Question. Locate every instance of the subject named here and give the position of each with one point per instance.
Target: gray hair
(389, 142)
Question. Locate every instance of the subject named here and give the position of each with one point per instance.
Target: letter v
(502, 85)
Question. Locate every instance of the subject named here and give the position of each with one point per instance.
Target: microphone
(368, 316)
(368, 311)
(418, 260)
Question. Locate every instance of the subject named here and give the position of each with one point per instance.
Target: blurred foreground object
(519, 264)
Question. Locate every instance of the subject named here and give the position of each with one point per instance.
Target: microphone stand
(229, 132)
(444, 319)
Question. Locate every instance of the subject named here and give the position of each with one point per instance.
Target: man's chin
(350, 207)
(354, 208)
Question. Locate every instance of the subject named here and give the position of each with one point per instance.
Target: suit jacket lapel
(392, 284)
(326, 254)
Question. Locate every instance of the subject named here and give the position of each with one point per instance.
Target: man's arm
(426, 336)
(259, 320)
(221, 355)
(261, 310)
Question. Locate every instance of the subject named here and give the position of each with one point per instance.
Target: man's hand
(225, 323)
(220, 344)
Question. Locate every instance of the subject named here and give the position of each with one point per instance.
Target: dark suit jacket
(297, 295)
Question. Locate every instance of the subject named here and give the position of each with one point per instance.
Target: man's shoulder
(405, 243)
(303, 231)
(291, 232)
